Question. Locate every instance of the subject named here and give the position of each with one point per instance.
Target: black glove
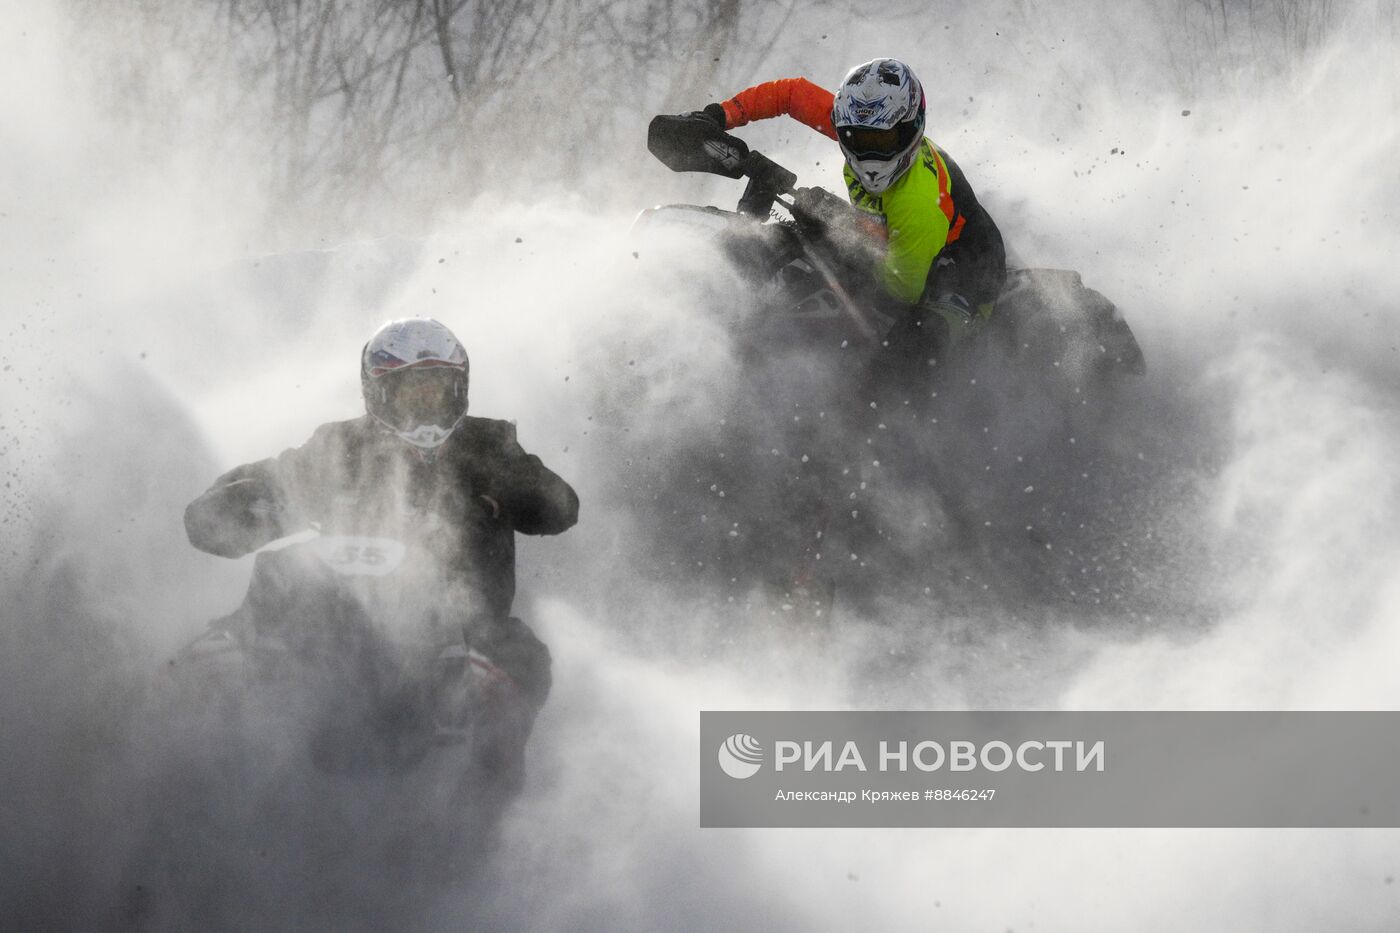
(713, 114)
(716, 115)
(237, 517)
(820, 206)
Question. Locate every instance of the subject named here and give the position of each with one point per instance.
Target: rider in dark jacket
(414, 465)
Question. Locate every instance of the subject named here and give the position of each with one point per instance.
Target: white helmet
(879, 118)
(414, 374)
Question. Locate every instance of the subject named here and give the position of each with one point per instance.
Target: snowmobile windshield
(866, 142)
(422, 395)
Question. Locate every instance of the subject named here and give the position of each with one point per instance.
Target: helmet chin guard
(429, 436)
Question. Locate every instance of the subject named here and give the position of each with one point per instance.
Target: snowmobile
(358, 643)
(814, 487)
(333, 744)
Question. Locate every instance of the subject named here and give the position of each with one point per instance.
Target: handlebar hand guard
(692, 143)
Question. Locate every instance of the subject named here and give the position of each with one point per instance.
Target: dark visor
(419, 396)
(866, 142)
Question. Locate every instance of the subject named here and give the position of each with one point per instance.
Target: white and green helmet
(879, 118)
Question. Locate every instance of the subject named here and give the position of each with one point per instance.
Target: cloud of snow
(155, 337)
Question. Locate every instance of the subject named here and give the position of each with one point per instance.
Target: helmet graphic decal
(868, 109)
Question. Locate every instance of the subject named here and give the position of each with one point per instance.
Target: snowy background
(206, 206)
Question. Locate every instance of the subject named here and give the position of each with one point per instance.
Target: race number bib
(359, 557)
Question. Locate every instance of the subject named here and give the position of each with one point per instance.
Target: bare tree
(345, 106)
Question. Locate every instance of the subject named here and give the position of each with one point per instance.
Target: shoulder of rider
(514, 485)
(326, 461)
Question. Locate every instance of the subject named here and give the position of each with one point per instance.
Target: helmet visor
(867, 142)
(421, 395)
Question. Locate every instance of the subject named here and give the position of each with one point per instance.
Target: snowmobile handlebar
(692, 143)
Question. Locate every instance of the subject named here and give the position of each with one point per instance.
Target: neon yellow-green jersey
(917, 217)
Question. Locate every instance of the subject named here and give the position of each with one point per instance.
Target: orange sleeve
(797, 97)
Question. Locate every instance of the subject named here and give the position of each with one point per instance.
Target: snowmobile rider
(944, 262)
(415, 459)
